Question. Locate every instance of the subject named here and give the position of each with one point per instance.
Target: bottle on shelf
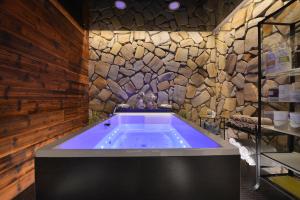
(294, 121)
(284, 57)
(296, 56)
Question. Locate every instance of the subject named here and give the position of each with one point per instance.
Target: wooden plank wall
(43, 85)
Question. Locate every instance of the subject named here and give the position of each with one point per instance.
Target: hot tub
(149, 156)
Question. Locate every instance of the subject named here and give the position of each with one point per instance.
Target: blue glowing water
(140, 136)
(140, 131)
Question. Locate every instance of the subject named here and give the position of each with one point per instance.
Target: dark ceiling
(214, 10)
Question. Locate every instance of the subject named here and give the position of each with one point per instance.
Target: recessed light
(174, 5)
(121, 5)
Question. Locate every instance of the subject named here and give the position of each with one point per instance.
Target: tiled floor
(247, 193)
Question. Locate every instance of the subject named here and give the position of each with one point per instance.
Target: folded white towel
(234, 142)
(251, 161)
(247, 150)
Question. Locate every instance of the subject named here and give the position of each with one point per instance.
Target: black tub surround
(198, 165)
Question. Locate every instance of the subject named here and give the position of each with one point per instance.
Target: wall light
(121, 5)
(174, 5)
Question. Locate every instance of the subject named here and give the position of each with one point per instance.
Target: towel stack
(247, 122)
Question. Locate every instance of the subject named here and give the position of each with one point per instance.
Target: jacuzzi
(145, 156)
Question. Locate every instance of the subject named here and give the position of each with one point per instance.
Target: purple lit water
(140, 131)
(135, 136)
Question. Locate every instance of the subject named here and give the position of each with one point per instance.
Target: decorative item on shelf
(150, 100)
(268, 114)
(270, 61)
(277, 58)
(164, 105)
(284, 93)
(273, 94)
(121, 106)
(215, 124)
(297, 56)
(140, 104)
(294, 93)
(211, 113)
(212, 127)
(284, 57)
(294, 121)
(281, 119)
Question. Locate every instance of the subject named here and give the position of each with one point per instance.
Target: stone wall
(237, 61)
(237, 58)
(178, 67)
(194, 71)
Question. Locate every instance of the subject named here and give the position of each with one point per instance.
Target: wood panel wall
(43, 85)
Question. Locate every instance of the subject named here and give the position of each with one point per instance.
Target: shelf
(290, 161)
(246, 130)
(265, 100)
(250, 131)
(291, 72)
(288, 183)
(285, 184)
(286, 131)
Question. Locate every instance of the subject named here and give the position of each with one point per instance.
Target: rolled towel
(234, 142)
(251, 161)
(243, 157)
(243, 154)
(247, 150)
(252, 120)
(238, 145)
(264, 120)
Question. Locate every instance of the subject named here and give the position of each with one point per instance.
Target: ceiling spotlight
(121, 5)
(174, 5)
